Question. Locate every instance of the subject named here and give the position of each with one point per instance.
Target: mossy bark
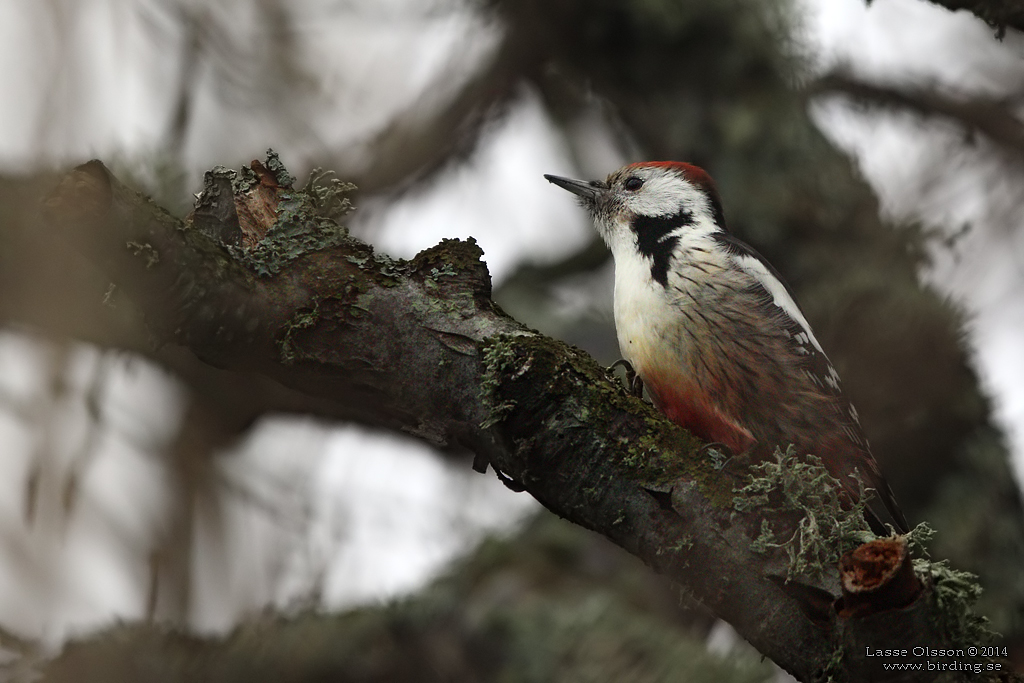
(262, 280)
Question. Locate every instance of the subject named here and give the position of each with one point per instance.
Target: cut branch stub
(877, 576)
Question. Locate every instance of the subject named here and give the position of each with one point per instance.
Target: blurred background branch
(994, 118)
(999, 14)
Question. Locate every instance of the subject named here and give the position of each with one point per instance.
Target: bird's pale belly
(672, 379)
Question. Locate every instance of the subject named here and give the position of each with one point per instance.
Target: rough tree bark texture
(261, 281)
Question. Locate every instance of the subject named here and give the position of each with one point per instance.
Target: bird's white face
(643, 210)
(640, 196)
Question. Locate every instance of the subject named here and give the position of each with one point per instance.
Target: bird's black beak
(587, 190)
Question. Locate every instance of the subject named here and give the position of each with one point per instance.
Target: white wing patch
(832, 379)
(780, 297)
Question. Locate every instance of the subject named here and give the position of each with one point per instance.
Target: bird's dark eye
(633, 183)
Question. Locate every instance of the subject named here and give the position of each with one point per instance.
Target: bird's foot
(719, 453)
(634, 383)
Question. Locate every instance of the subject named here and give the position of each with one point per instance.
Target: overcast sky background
(359, 490)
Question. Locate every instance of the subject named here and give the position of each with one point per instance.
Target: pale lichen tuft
(828, 526)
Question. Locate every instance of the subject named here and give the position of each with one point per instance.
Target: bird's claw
(720, 454)
(634, 383)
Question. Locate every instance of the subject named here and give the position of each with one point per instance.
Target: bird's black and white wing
(778, 298)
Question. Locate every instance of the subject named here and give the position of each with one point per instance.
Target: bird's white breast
(654, 331)
(642, 314)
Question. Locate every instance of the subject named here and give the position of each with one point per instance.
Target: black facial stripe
(653, 239)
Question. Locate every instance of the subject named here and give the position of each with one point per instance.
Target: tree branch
(999, 14)
(990, 117)
(262, 280)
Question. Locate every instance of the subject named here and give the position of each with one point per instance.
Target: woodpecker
(715, 333)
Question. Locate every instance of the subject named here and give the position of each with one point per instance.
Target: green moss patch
(657, 454)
